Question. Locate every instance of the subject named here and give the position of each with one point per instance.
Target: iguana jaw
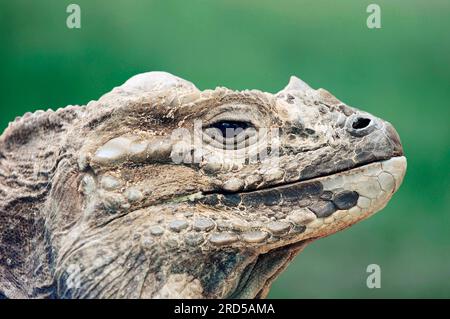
(138, 233)
(313, 208)
(377, 183)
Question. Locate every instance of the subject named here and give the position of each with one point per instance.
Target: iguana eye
(229, 134)
(230, 129)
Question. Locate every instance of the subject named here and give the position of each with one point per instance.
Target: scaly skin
(119, 199)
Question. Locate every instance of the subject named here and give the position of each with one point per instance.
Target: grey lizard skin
(117, 199)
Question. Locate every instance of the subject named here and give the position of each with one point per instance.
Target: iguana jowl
(93, 205)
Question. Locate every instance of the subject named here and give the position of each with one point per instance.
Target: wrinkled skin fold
(119, 199)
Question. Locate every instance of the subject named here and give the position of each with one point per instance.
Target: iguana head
(161, 190)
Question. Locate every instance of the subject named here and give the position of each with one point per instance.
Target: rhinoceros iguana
(145, 193)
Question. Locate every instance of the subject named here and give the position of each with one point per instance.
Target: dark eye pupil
(360, 123)
(230, 128)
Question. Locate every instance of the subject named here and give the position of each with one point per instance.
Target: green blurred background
(400, 73)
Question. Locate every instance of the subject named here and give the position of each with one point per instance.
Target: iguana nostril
(360, 123)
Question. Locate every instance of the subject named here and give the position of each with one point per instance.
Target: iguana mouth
(293, 183)
(283, 214)
(310, 208)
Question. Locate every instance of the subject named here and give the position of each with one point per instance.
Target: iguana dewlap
(161, 190)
